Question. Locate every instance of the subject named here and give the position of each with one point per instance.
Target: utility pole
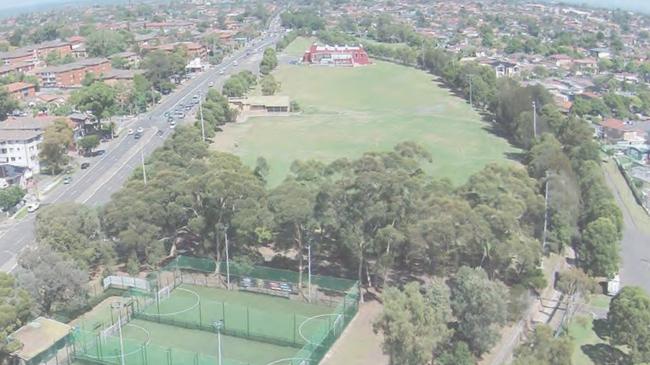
(225, 233)
(201, 116)
(144, 169)
(469, 78)
(546, 186)
(534, 119)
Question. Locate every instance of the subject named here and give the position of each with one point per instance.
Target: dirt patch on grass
(359, 345)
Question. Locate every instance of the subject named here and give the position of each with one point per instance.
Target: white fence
(125, 282)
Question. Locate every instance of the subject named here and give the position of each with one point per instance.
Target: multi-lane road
(107, 174)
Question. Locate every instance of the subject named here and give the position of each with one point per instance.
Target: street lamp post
(309, 270)
(535, 119)
(218, 325)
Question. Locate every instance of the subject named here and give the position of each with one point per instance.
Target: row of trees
(269, 61)
(216, 112)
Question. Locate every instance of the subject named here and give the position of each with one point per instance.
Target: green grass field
(236, 350)
(348, 111)
(255, 316)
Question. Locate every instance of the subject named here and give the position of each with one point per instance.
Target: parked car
(130, 131)
(67, 180)
(210, 84)
(137, 135)
(170, 119)
(221, 72)
(160, 132)
(172, 125)
(140, 130)
(85, 165)
(33, 206)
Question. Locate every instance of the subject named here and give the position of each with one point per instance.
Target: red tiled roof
(17, 86)
(612, 123)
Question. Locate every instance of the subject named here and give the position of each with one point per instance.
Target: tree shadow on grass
(601, 329)
(604, 354)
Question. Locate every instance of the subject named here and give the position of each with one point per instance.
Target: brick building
(34, 53)
(336, 55)
(71, 75)
(21, 90)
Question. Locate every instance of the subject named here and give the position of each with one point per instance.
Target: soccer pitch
(180, 328)
(349, 111)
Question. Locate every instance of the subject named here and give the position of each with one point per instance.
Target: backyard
(348, 111)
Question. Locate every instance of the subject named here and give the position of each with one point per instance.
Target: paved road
(106, 175)
(635, 246)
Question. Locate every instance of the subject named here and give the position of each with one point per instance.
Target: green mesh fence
(90, 347)
(238, 271)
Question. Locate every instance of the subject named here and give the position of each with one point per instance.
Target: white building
(20, 148)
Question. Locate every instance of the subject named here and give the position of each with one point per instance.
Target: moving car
(85, 165)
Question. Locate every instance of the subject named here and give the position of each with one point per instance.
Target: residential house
(505, 69)
(21, 90)
(72, 74)
(600, 53)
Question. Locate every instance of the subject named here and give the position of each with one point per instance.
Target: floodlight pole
(469, 78)
(119, 328)
(218, 325)
(309, 270)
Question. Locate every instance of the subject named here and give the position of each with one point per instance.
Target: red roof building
(336, 55)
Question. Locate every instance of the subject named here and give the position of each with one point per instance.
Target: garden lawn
(349, 111)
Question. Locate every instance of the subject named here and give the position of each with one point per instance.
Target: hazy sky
(642, 5)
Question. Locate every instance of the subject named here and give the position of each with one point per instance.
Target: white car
(140, 130)
(235, 63)
(130, 131)
(172, 125)
(220, 72)
(33, 206)
(210, 84)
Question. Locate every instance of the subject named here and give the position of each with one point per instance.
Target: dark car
(170, 119)
(137, 135)
(160, 132)
(85, 165)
